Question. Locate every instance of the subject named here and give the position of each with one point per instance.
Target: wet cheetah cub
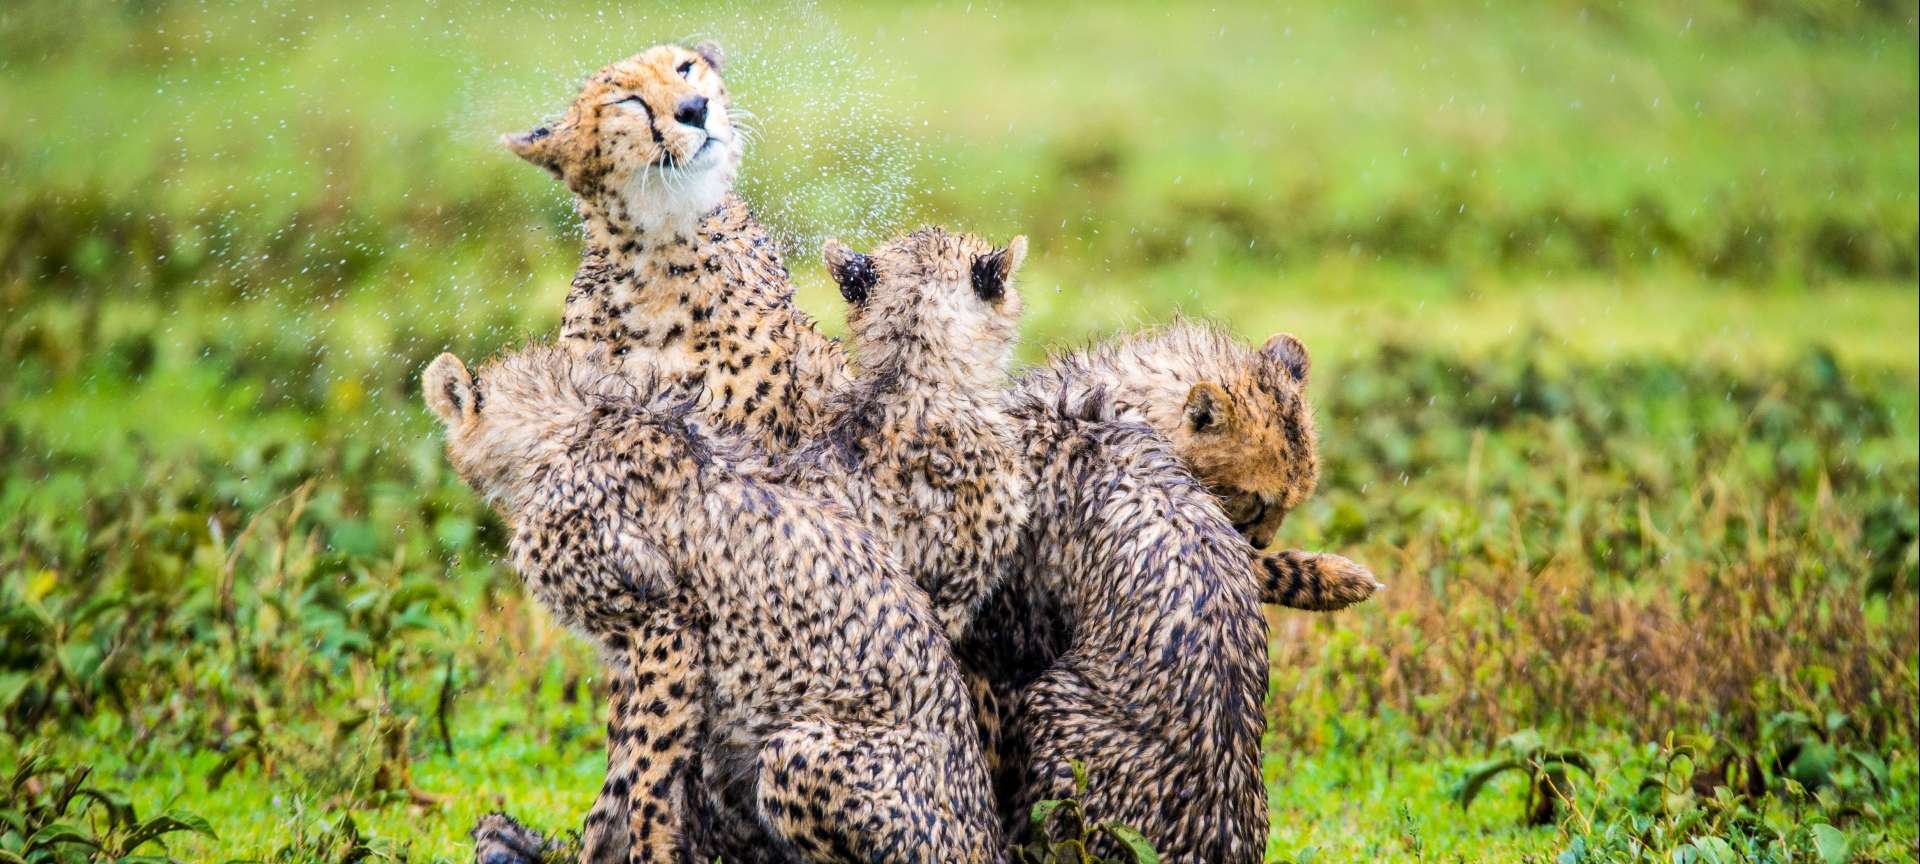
(678, 281)
(1240, 419)
(622, 506)
(1138, 649)
(920, 444)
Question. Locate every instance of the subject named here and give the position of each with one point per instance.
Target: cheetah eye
(686, 69)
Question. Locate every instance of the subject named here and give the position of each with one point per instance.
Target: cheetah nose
(692, 111)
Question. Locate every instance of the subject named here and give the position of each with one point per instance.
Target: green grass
(1616, 349)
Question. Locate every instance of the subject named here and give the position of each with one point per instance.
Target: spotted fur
(832, 719)
(920, 444)
(500, 839)
(678, 282)
(679, 285)
(1241, 420)
(1129, 640)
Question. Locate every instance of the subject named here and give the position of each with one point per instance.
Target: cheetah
(623, 505)
(1128, 639)
(677, 282)
(920, 443)
(1240, 420)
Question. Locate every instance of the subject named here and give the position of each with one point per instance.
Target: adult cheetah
(678, 282)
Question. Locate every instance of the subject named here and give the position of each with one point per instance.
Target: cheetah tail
(1315, 582)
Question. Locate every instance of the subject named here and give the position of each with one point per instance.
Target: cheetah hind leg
(1071, 728)
(846, 793)
(1311, 581)
(1134, 778)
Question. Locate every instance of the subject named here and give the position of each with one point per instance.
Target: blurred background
(1613, 313)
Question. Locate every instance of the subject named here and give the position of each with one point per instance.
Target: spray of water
(828, 151)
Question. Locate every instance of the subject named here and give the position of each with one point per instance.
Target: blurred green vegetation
(1613, 310)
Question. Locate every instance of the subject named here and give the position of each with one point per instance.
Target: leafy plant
(338, 840)
(1548, 784)
(1063, 836)
(51, 816)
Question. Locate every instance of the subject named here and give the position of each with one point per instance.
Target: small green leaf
(1876, 767)
(1571, 758)
(56, 834)
(1522, 743)
(1135, 843)
(1714, 850)
(12, 684)
(1814, 766)
(1042, 813)
(1832, 846)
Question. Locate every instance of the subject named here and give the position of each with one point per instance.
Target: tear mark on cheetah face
(648, 137)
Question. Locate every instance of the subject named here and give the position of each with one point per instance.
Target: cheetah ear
(1289, 354)
(709, 51)
(1207, 407)
(852, 271)
(993, 272)
(449, 390)
(536, 146)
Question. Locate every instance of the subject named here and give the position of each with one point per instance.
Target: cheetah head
(503, 422)
(1248, 434)
(650, 139)
(932, 297)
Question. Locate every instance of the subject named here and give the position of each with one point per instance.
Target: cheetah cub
(920, 444)
(1138, 653)
(678, 280)
(622, 506)
(1240, 419)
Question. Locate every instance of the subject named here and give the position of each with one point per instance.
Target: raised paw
(1348, 581)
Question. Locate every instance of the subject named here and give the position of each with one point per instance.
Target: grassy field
(1613, 311)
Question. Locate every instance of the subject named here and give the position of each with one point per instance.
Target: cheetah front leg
(1312, 581)
(603, 839)
(642, 812)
